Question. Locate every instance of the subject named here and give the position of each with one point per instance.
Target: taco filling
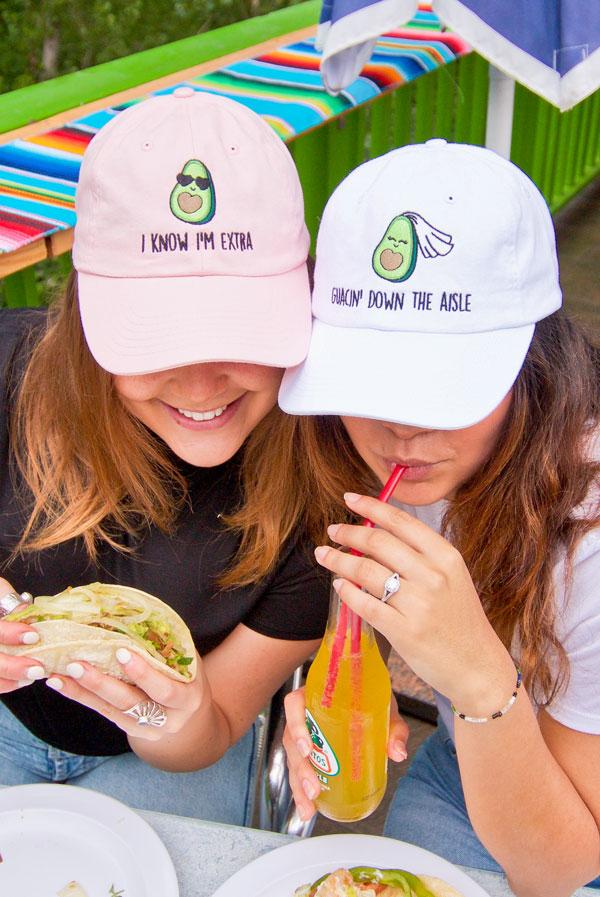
(115, 609)
(367, 881)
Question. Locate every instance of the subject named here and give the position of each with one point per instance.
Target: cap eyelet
(451, 199)
(146, 145)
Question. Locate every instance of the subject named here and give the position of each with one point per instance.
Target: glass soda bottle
(348, 695)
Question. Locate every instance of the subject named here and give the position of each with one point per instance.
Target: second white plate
(278, 873)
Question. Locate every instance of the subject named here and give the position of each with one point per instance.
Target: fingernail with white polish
(123, 655)
(55, 683)
(23, 682)
(75, 670)
(310, 790)
(34, 673)
(29, 638)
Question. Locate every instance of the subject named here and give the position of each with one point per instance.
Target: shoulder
(576, 589)
(17, 327)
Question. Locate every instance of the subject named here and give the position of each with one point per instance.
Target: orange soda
(348, 695)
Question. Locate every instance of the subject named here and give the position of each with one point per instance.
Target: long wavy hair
(515, 515)
(91, 470)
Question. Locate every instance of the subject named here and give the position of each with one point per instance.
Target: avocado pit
(391, 260)
(189, 203)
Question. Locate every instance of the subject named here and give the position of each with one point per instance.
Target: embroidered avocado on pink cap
(433, 264)
(190, 242)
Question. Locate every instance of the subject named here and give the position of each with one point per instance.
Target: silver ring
(11, 600)
(390, 587)
(147, 713)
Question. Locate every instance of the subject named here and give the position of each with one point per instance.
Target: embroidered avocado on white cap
(434, 263)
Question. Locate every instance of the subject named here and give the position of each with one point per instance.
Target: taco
(91, 622)
(367, 881)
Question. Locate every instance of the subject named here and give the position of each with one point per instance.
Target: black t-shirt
(182, 569)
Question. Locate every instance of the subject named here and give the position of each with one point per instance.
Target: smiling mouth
(203, 415)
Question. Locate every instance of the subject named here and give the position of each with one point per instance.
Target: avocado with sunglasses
(193, 196)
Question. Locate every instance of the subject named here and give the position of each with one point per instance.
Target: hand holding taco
(91, 622)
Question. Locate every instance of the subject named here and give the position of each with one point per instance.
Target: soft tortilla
(63, 641)
(439, 887)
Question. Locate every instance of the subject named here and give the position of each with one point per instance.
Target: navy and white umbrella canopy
(550, 46)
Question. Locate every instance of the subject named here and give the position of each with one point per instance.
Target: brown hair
(92, 470)
(510, 520)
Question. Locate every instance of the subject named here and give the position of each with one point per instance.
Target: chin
(205, 456)
(419, 493)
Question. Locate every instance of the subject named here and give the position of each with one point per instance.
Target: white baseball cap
(434, 263)
(190, 242)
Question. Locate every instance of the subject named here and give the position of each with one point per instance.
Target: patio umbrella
(550, 46)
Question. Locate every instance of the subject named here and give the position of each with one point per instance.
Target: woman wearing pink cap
(439, 344)
(141, 444)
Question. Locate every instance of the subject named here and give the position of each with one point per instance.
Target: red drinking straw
(346, 616)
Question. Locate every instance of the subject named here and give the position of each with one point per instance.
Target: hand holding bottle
(435, 621)
(303, 778)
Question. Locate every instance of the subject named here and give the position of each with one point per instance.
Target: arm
(204, 717)
(239, 678)
(234, 681)
(534, 812)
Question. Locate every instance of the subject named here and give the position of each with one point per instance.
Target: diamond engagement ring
(147, 713)
(390, 587)
(10, 600)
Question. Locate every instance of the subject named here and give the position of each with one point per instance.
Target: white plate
(53, 834)
(278, 873)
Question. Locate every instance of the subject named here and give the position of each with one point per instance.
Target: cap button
(184, 92)
(436, 141)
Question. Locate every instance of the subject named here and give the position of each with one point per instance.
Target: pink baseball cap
(190, 242)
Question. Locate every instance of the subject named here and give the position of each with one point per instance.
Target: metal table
(206, 854)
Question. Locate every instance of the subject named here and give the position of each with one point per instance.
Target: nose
(205, 379)
(404, 431)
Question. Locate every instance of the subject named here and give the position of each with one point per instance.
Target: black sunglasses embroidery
(186, 179)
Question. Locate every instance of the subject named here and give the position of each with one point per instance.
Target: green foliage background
(40, 39)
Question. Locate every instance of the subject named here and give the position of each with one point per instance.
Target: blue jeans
(428, 808)
(224, 792)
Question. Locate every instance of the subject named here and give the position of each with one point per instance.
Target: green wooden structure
(559, 151)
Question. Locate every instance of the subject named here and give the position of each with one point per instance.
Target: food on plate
(367, 881)
(91, 622)
(73, 889)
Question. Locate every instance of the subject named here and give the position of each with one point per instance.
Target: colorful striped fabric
(38, 175)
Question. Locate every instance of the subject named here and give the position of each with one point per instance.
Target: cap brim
(139, 325)
(438, 381)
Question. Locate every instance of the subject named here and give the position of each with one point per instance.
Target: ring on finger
(148, 713)
(390, 587)
(11, 600)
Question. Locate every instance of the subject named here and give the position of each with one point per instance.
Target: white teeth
(202, 415)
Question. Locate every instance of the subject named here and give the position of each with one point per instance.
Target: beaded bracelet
(498, 713)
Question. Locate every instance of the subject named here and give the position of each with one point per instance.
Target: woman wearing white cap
(141, 444)
(438, 344)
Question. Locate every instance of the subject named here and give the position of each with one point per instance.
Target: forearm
(523, 806)
(198, 744)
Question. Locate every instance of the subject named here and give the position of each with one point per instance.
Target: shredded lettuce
(101, 605)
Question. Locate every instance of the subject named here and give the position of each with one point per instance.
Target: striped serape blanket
(38, 175)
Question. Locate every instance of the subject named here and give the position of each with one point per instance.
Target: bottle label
(322, 755)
